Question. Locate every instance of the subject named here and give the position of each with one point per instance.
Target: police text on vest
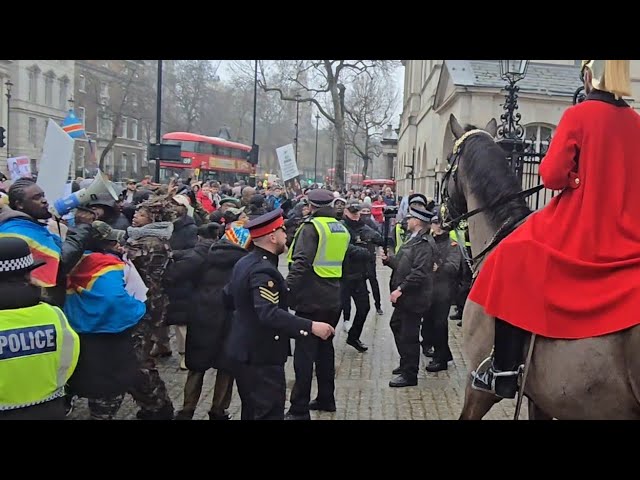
(21, 342)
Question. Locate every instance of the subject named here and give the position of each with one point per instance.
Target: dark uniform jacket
(358, 262)
(413, 272)
(261, 325)
(448, 261)
(310, 293)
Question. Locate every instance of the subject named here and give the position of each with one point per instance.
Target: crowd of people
(125, 272)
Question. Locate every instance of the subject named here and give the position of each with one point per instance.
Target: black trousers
(310, 350)
(345, 300)
(262, 390)
(372, 276)
(464, 287)
(358, 291)
(405, 326)
(436, 321)
(509, 346)
(51, 410)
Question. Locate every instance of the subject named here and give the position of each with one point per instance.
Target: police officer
(258, 341)
(315, 269)
(354, 281)
(411, 288)
(38, 349)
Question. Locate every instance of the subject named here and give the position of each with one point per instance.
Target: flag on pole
(72, 125)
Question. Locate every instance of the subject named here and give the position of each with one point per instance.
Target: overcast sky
(224, 74)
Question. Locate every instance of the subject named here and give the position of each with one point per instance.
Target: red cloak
(572, 269)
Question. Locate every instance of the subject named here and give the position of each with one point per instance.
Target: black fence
(525, 159)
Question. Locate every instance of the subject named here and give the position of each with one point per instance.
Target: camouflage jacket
(149, 250)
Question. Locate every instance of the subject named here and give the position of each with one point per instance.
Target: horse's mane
(489, 178)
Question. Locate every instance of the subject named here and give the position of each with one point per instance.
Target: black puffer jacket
(209, 321)
(413, 272)
(185, 233)
(182, 279)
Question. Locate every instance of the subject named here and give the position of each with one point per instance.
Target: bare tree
(120, 99)
(193, 80)
(322, 83)
(370, 105)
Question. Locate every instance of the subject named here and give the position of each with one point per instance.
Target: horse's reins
(503, 231)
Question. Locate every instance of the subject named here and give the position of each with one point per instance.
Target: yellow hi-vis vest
(454, 237)
(399, 236)
(38, 353)
(333, 242)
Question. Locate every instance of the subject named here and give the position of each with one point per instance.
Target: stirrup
(484, 377)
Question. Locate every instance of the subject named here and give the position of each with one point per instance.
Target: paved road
(362, 391)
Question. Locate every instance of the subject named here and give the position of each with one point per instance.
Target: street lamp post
(315, 162)
(333, 173)
(297, 118)
(8, 84)
(510, 131)
(158, 120)
(412, 167)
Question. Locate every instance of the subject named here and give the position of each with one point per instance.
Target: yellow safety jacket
(38, 354)
(333, 242)
(400, 234)
(454, 237)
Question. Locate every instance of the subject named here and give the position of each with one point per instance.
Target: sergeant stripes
(269, 295)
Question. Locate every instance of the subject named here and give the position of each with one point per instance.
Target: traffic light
(252, 155)
(2, 130)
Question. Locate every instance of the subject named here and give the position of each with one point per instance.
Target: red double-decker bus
(208, 158)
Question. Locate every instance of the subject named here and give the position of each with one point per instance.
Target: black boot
(499, 374)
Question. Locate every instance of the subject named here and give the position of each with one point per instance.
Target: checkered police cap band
(15, 264)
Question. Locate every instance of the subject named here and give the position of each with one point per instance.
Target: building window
(134, 163)
(539, 136)
(123, 163)
(104, 90)
(48, 89)
(108, 163)
(64, 92)
(82, 84)
(124, 127)
(81, 115)
(134, 129)
(32, 130)
(33, 85)
(80, 161)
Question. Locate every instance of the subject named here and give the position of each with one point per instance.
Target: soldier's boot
(499, 373)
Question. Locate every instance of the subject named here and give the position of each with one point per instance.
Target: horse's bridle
(449, 207)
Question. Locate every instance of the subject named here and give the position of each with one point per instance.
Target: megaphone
(77, 199)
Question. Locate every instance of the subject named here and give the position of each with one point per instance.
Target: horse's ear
(492, 127)
(455, 126)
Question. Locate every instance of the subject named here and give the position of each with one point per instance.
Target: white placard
(287, 160)
(19, 167)
(55, 162)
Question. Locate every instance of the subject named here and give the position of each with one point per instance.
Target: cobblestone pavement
(362, 390)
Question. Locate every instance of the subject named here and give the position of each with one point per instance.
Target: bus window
(240, 154)
(224, 151)
(191, 147)
(206, 148)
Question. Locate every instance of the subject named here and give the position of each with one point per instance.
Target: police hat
(420, 213)
(435, 219)
(418, 198)
(354, 206)
(265, 224)
(16, 258)
(320, 197)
